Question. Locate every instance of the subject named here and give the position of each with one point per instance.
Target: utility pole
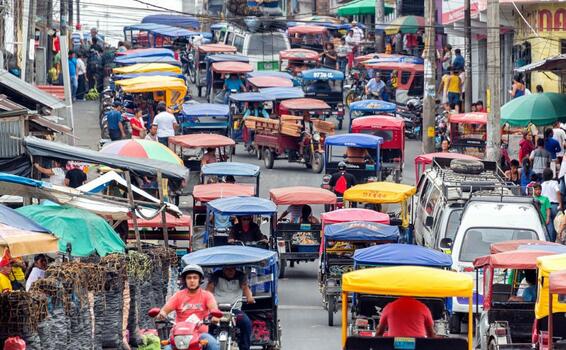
(49, 45)
(30, 54)
(493, 81)
(468, 53)
(429, 76)
(62, 17)
(379, 19)
(78, 11)
(71, 19)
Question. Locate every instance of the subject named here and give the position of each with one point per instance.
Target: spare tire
(466, 166)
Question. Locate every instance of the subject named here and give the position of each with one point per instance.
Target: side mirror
(153, 312)
(445, 244)
(216, 313)
(429, 221)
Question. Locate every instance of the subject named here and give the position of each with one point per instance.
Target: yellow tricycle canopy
(546, 265)
(379, 192)
(175, 91)
(147, 68)
(149, 79)
(408, 281)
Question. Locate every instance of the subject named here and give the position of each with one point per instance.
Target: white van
(261, 48)
(486, 220)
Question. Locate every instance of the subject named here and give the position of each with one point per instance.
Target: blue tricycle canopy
(231, 256)
(151, 52)
(242, 206)
(251, 97)
(230, 168)
(150, 59)
(283, 75)
(279, 93)
(361, 231)
(322, 74)
(226, 57)
(402, 254)
(373, 106)
(354, 140)
(206, 110)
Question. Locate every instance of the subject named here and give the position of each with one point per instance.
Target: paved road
(304, 321)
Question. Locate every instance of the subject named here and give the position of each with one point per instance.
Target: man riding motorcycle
(192, 301)
(375, 87)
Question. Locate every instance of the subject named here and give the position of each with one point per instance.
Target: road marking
(299, 307)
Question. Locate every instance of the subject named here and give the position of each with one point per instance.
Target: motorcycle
(357, 88)
(183, 335)
(226, 331)
(412, 116)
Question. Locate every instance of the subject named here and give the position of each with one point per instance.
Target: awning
(553, 64)
(361, 7)
(149, 167)
(29, 91)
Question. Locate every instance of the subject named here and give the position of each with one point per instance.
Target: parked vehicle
(370, 107)
(295, 61)
(211, 118)
(410, 78)
(217, 74)
(310, 37)
(468, 133)
(412, 115)
(170, 90)
(198, 75)
(326, 85)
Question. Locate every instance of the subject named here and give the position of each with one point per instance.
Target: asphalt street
(303, 319)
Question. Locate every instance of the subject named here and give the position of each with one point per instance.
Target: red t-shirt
(186, 304)
(406, 317)
(136, 122)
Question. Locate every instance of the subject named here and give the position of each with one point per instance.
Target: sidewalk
(87, 129)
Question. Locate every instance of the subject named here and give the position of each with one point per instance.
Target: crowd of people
(15, 274)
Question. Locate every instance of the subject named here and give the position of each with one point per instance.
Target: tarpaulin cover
(301, 195)
(146, 68)
(232, 67)
(270, 74)
(361, 231)
(428, 157)
(506, 246)
(546, 266)
(222, 57)
(265, 82)
(211, 48)
(201, 141)
(173, 20)
(88, 233)
(379, 192)
(378, 122)
(373, 106)
(307, 30)
(242, 206)
(415, 281)
(230, 168)
(299, 54)
(304, 104)
(148, 167)
(322, 74)
(150, 59)
(251, 96)
(354, 140)
(206, 110)
(525, 259)
(177, 85)
(402, 254)
(558, 282)
(231, 256)
(209, 192)
(283, 93)
(19, 165)
(154, 51)
(361, 7)
(539, 109)
(9, 216)
(468, 118)
(354, 214)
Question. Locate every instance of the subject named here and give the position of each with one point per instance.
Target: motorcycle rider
(306, 134)
(341, 180)
(375, 87)
(192, 301)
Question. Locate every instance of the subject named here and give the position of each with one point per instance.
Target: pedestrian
(526, 174)
(329, 56)
(474, 107)
(398, 42)
(77, 38)
(552, 146)
(544, 202)
(342, 53)
(560, 136)
(351, 42)
(454, 90)
(540, 159)
(551, 189)
(75, 177)
(95, 38)
(81, 77)
(513, 175)
(540, 90)
(518, 88)
(443, 87)
(37, 270)
(446, 59)
(5, 270)
(138, 130)
(94, 66)
(73, 74)
(114, 122)
(166, 124)
(152, 135)
(358, 33)
(462, 77)
(479, 106)
(526, 145)
(56, 173)
(458, 60)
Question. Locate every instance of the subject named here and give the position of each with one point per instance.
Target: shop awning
(361, 7)
(552, 64)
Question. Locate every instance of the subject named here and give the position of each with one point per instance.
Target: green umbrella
(405, 25)
(361, 7)
(538, 109)
(88, 233)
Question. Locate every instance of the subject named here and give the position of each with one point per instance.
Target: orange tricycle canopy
(232, 67)
(210, 192)
(201, 141)
(301, 195)
(304, 104)
(217, 48)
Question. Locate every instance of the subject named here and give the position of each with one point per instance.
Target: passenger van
(262, 48)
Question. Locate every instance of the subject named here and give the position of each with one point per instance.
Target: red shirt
(525, 149)
(186, 304)
(136, 122)
(406, 317)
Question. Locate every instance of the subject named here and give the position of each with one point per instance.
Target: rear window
(477, 241)
(268, 44)
(387, 135)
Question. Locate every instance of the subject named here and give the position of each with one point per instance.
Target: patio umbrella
(22, 236)
(142, 149)
(87, 233)
(361, 7)
(405, 25)
(538, 109)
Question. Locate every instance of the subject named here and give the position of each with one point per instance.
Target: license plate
(267, 66)
(403, 343)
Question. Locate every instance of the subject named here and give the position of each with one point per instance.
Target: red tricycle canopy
(354, 214)
(299, 55)
(201, 141)
(507, 246)
(301, 195)
(304, 104)
(232, 67)
(377, 122)
(210, 192)
(468, 118)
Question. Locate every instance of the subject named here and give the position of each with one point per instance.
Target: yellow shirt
(17, 274)
(5, 284)
(454, 84)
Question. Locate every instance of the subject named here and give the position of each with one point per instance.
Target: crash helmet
(191, 268)
(341, 166)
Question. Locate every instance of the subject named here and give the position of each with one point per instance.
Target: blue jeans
(342, 63)
(550, 226)
(212, 342)
(114, 134)
(74, 86)
(244, 323)
(164, 141)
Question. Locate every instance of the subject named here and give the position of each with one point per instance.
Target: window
(477, 241)
(267, 44)
(405, 77)
(229, 38)
(239, 43)
(417, 87)
(563, 46)
(453, 223)
(387, 135)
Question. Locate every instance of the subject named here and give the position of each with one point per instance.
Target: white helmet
(192, 268)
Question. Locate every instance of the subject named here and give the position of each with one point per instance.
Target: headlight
(182, 342)
(316, 137)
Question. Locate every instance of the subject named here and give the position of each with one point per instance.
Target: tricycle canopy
(283, 93)
(354, 214)
(149, 59)
(201, 141)
(284, 75)
(301, 195)
(222, 57)
(267, 82)
(251, 97)
(379, 192)
(322, 74)
(242, 206)
(395, 254)
(206, 110)
(558, 249)
(307, 29)
(231, 256)
(164, 80)
(146, 68)
(299, 55)
(150, 74)
(558, 282)
(398, 66)
(354, 140)
(216, 48)
(395, 59)
(506, 246)
(210, 192)
(519, 260)
(173, 20)
(153, 51)
(230, 168)
(300, 104)
(232, 67)
(546, 266)
(361, 231)
(377, 122)
(468, 118)
(178, 86)
(373, 106)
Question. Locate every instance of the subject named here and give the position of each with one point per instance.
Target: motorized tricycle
(370, 107)
(170, 90)
(205, 118)
(260, 267)
(198, 76)
(294, 61)
(216, 77)
(423, 160)
(549, 329)
(311, 37)
(392, 130)
(326, 85)
(298, 239)
(468, 133)
(340, 242)
(410, 78)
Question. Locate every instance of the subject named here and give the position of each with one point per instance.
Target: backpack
(341, 185)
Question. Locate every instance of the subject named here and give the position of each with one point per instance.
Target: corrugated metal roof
(30, 91)
(9, 106)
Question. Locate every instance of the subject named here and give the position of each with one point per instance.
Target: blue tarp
(402, 254)
(373, 106)
(147, 53)
(4, 177)
(151, 59)
(322, 74)
(230, 168)
(251, 97)
(559, 249)
(206, 110)
(231, 256)
(10, 217)
(149, 74)
(143, 26)
(173, 20)
(278, 93)
(226, 57)
(354, 140)
(242, 206)
(361, 231)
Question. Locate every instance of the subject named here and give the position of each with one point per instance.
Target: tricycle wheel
(282, 265)
(259, 153)
(340, 122)
(331, 306)
(317, 163)
(455, 323)
(268, 158)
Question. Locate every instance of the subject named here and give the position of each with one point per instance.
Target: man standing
(77, 38)
(75, 177)
(114, 122)
(358, 33)
(540, 158)
(458, 61)
(166, 124)
(560, 136)
(152, 135)
(73, 74)
(454, 90)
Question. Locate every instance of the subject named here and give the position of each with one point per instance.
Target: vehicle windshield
(477, 241)
(387, 135)
(323, 86)
(267, 44)
(453, 223)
